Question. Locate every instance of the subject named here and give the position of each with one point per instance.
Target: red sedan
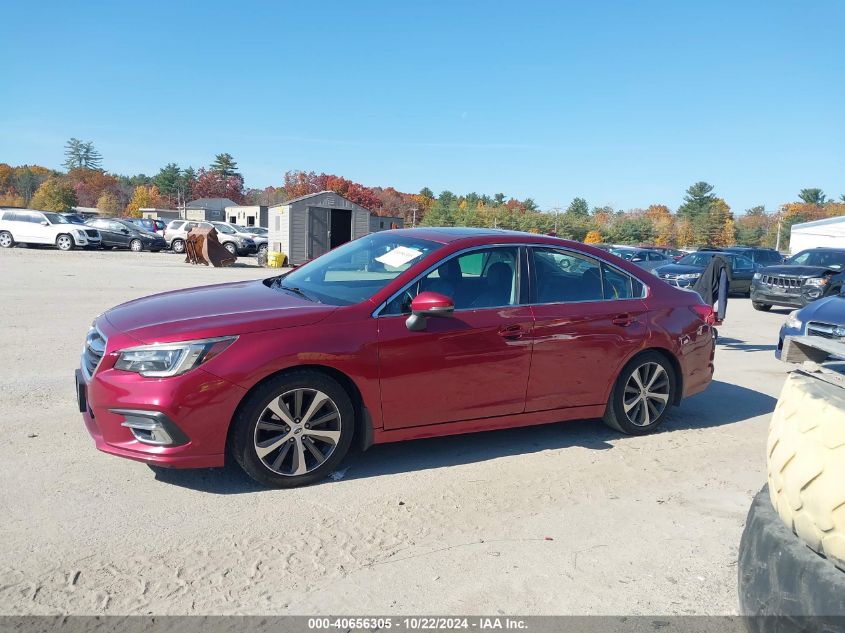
(396, 336)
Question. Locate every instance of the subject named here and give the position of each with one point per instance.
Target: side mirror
(44, 223)
(428, 304)
(636, 259)
(126, 231)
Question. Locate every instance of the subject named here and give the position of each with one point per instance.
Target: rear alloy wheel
(178, 246)
(294, 430)
(231, 248)
(64, 242)
(262, 249)
(136, 246)
(642, 395)
(6, 239)
(762, 307)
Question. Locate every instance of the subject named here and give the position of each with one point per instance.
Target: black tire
(231, 248)
(178, 246)
(615, 415)
(762, 307)
(6, 239)
(242, 439)
(136, 246)
(778, 575)
(155, 250)
(64, 242)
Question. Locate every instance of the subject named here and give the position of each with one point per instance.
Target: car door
(120, 234)
(589, 317)
(41, 231)
(107, 239)
(742, 271)
(472, 364)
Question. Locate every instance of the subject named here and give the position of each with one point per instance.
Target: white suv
(28, 226)
(177, 232)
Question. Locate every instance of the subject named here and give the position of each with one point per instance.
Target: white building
(828, 232)
(247, 215)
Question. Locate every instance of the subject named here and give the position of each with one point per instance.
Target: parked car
(29, 226)
(120, 233)
(151, 225)
(645, 258)
(256, 233)
(824, 318)
(686, 271)
(73, 218)
(760, 256)
(672, 253)
(805, 277)
(177, 232)
(242, 242)
(397, 335)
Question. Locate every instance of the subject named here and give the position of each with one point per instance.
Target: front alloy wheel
(641, 397)
(136, 246)
(64, 242)
(293, 430)
(231, 248)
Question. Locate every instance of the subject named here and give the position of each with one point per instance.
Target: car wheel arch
(363, 435)
(673, 361)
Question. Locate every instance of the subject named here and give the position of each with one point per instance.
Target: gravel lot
(563, 519)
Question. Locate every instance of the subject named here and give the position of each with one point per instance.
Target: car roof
(449, 234)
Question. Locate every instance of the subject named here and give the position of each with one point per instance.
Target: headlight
(792, 321)
(171, 359)
(816, 282)
(689, 276)
(79, 232)
(757, 275)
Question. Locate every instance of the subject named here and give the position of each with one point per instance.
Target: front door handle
(623, 319)
(511, 332)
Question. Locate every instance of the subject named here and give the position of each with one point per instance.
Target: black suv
(804, 277)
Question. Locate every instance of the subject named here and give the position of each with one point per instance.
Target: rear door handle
(511, 332)
(623, 319)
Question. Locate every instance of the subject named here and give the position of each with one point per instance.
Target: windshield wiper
(297, 291)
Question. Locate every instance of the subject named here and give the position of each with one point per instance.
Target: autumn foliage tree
(54, 194)
(144, 197)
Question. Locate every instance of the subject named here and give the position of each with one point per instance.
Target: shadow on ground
(742, 346)
(721, 404)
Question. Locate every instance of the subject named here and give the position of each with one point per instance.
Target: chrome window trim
(522, 245)
(377, 312)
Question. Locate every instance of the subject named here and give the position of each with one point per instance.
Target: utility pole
(777, 243)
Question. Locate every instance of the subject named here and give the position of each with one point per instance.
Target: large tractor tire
(806, 464)
(784, 587)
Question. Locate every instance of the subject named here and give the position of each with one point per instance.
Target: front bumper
(195, 409)
(249, 249)
(85, 241)
(785, 331)
(798, 298)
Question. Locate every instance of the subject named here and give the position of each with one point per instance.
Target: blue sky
(623, 103)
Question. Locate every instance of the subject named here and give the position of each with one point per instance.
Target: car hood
(678, 269)
(796, 271)
(828, 310)
(219, 310)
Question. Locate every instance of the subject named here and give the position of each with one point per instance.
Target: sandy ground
(563, 519)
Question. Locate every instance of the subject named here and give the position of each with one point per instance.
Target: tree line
(702, 219)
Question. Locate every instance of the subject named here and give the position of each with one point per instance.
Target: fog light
(152, 427)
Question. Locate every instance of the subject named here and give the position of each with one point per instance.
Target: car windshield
(55, 218)
(224, 228)
(818, 258)
(357, 270)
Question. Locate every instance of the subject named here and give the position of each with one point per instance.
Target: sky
(622, 103)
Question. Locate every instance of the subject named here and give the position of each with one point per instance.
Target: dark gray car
(120, 233)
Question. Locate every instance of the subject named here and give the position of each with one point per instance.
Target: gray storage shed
(307, 227)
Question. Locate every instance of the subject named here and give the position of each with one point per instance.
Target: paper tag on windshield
(399, 256)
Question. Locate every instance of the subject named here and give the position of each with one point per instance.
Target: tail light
(705, 313)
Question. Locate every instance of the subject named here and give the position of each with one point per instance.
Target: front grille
(93, 351)
(826, 330)
(785, 283)
(92, 233)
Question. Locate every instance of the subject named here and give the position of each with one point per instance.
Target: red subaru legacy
(395, 336)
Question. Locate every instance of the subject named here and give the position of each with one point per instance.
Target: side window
(481, 279)
(36, 218)
(563, 277)
(618, 285)
(742, 263)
